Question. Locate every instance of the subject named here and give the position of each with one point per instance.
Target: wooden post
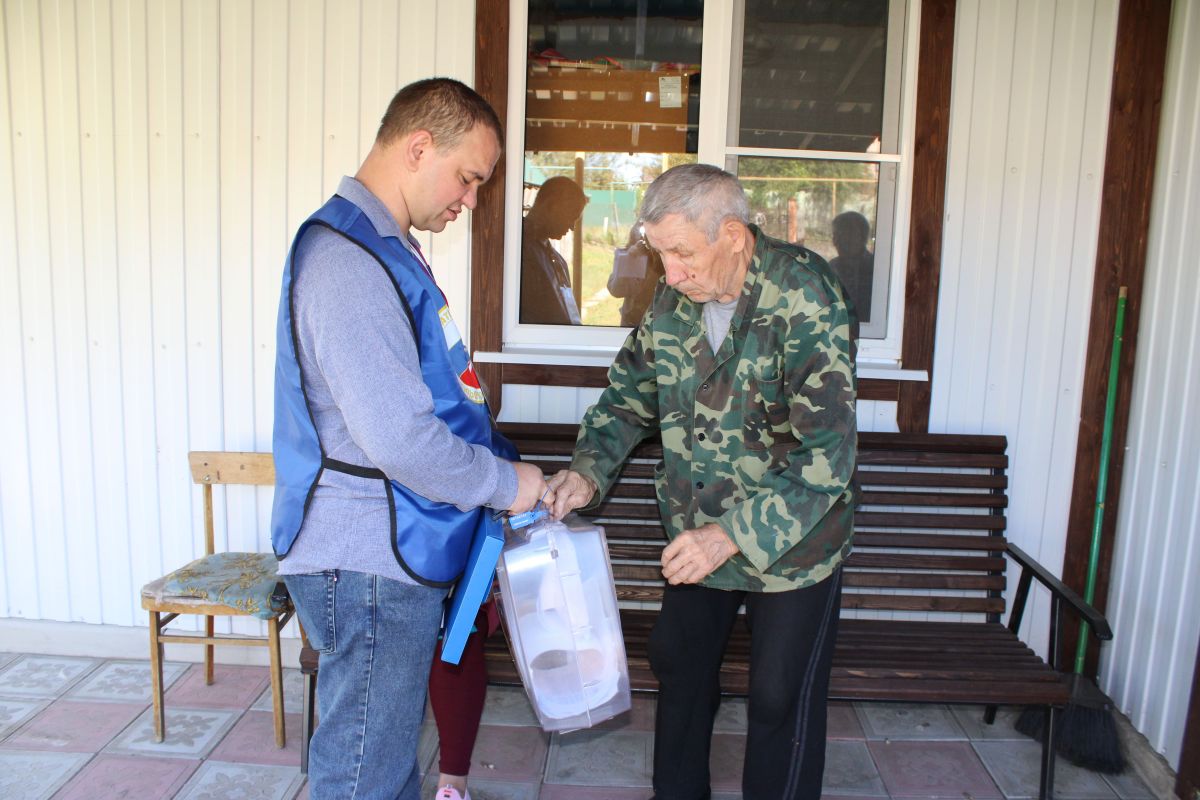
(1135, 108)
(487, 221)
(934, 73)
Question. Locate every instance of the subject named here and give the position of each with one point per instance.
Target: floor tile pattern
(16, 710)
(932, 769)
(190, 732)
(43, 676)
(129, 776)
(216, 779)
(33, 775)
(124, 681)
(293, 694)
(73, 728)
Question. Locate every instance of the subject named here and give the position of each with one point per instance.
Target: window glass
(812, 76)
(612, 100)
(830, 207)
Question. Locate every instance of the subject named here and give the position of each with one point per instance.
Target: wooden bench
(923, 600)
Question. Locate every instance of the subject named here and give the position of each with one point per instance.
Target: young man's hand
(531, 487)
(695, 554)
(571, 491)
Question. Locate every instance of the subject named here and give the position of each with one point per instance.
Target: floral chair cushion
(245, 581)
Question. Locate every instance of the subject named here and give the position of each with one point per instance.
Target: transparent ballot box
(560, 615)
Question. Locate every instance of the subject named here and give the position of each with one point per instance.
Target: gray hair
(702, 194)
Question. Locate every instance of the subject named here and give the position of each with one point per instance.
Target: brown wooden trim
(597, 377)
(934, 73)
(1134, 112)
(1187, 784)
(556, 375)
(487, 220)
(878, 389)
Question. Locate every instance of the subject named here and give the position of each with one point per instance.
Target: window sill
(602, 357)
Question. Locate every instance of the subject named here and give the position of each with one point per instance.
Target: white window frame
(563, 344)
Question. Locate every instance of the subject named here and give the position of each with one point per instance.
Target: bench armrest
(1059, 589)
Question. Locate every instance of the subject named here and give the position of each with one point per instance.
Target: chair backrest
(210, 466)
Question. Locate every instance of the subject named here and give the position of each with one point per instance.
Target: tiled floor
(82, 728)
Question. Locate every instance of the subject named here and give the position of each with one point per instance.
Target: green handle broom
(1088, 734)
(1087, 731)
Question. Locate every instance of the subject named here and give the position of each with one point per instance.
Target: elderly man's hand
(571, 491)
(693, 555)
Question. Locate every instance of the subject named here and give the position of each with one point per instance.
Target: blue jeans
(376, 638)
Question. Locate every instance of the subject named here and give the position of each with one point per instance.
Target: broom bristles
(1088, 738)
(1031, 723)
(1086, 732)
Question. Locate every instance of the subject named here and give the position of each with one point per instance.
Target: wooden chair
(226, 584)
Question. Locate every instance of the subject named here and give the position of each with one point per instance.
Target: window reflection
(612, 100)
(829, 207)
(546, 293)
(812, 75)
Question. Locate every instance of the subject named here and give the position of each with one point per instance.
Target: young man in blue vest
(386, 458)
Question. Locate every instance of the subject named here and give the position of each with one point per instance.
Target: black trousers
(791, 650)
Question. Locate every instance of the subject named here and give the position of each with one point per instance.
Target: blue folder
(471, 590)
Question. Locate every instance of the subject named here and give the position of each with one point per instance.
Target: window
(802, 100)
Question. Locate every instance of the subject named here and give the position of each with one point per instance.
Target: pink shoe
(448, 792)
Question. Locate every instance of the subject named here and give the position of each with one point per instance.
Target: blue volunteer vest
(430, 540)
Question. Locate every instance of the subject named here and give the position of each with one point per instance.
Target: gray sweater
(371, 407)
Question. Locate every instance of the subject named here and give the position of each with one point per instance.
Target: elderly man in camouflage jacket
(745, 365)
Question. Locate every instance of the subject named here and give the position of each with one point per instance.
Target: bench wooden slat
(923, 580)
(953, 692)
(859, 560)
(620, 510)
(908, 602)
(895, 458)
(638, 552)
(641, 491)
(929, 541)
(935, 499)
(618, 530)
(884, 519)
(925, 442)
(948, 480)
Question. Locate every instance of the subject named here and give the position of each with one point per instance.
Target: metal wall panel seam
(44, 554)
(131, 199)
(108, 459)
(76, 485)
(16, 497)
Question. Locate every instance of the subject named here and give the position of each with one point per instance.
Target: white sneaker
(448, 792)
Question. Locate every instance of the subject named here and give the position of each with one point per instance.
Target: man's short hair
(447, 108)
(702, 194)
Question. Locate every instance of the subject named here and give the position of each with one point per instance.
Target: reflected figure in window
(854, 263)
(636, 272)
(546, 294)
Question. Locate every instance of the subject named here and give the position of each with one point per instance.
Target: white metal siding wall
(155, 157)
(1029, 116)
(1153, 595)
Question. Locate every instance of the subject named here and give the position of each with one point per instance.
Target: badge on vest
(467, 379)
(470, 384)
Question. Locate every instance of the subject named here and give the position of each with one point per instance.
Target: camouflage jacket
(760, 438)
